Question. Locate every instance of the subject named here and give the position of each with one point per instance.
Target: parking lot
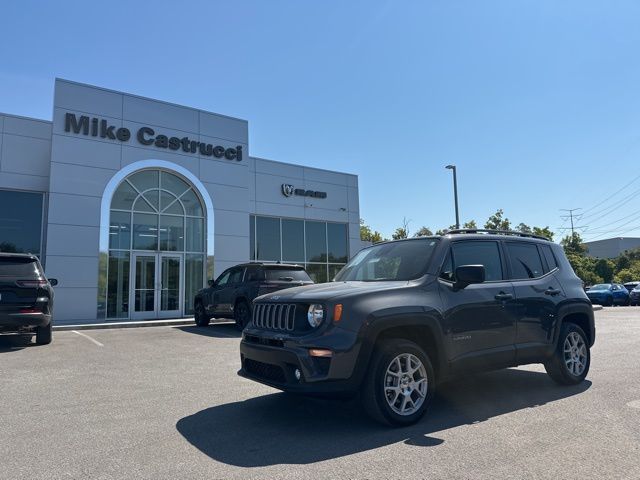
(166, 402)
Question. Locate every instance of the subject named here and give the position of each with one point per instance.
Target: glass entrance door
(156, 285)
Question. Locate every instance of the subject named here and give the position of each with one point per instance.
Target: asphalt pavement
(166, 403)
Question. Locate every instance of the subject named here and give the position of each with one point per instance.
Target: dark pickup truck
(232, 294)
(403, 316)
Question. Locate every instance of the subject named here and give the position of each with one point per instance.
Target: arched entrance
(155, 253)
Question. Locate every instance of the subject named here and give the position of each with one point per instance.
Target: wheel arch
(581, 315)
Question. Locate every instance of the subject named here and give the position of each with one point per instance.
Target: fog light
(320, 352)
(297, 374)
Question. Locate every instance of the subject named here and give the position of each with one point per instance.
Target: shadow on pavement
(217, 330)
(13, 343)
(281, 428)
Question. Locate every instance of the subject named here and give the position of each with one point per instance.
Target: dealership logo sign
(288, 190)
(96, 127)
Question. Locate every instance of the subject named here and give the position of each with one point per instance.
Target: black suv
(232, 294)
(26, 297)
(402, 316)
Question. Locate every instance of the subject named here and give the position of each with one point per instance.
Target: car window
(615, 287)
(223, 279)
(19, 267)
(287, 274)
(524, 260)
(479, 252)
(549, 257)
(236, 275)
(253, 274)
(447, 268)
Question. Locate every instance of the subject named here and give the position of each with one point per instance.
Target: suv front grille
(275, 316)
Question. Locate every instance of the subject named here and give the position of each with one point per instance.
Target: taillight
(31, 283)
(30, 310)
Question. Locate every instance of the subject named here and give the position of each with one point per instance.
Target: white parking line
(88, 337)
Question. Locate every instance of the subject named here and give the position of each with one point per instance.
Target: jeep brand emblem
(276, 297)
(287, 190)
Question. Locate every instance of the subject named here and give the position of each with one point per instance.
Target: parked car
(232, 294)
(634, 296)
(608, 294)
(26, 297)
(631, 285)
(404, 315)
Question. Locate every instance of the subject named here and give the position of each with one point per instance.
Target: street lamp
(455, 191)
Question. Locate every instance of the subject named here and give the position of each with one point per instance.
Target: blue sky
(536, 102)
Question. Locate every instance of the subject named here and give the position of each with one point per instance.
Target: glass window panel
(153, 199)
(337, 236)
(525, 260)
(170, 281)
(118, 285)
(170, 204)
(123, 197)
(268, 238)
(252, 237)
(120, 230)
(145, 283)
(192, 204)
(316, 236)
(173, 183)
(293, 240)
(195, 235)
(333, 271)
(194, 281)
(20, 222)
(171, 233)
(479, 253)
(317, 272)
(145, 180)
(145, 231)
(142, 205)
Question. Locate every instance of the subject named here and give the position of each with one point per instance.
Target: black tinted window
(19, 267)
(525, 260)
(236, 275)
(253, 274)
(482, 253)
(549, 257)
(287, 274)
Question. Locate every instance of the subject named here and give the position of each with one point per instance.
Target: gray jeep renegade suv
(402, 316)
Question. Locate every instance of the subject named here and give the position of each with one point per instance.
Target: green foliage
(573, 244)
(497, 222)
(471, 225)
(400, 232)
(368, 235)
(423, 232)
(604, 269)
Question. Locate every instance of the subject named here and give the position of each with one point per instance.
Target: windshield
(601, 286)
(19, 267)
(401, 261)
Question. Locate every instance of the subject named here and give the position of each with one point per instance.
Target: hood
(326, 291)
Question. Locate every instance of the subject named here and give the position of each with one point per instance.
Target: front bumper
(272, 359)
(15, 321)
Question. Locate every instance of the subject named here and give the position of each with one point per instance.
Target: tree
(402, 231)
(470, 225)
(573, 244)
(605, 269)
(368, 235)
(423, 232)
(496, 222)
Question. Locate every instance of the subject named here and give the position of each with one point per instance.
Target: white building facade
(133, 204)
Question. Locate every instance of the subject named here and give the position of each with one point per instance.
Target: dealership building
(133, 204)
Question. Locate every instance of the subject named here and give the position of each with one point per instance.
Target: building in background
(611, 247)
(132, 203)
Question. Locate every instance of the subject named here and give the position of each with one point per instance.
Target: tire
(608, 302)
(200, 315)
(242, 314)
(44, 335)
(560, 368)
(396, 355)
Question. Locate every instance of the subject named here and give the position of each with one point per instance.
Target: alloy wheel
(575, 354)
(405, 384)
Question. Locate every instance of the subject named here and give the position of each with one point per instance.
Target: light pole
(455, 192)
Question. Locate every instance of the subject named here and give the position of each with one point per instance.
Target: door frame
(157, 312)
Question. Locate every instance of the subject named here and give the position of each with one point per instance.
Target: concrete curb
(597, 307)
(180, 322)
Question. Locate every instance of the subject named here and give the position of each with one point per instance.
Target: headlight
(315, 315)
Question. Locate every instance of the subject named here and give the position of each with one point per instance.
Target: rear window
(525, 260)
(287, 274)
(19, 267)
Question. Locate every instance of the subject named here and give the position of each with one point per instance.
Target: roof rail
(497, 232)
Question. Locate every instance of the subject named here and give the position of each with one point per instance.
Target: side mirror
(211, 283)
(53, 282)
(469, 274)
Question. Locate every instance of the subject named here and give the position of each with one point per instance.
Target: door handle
(552, 291)
(503, 296)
